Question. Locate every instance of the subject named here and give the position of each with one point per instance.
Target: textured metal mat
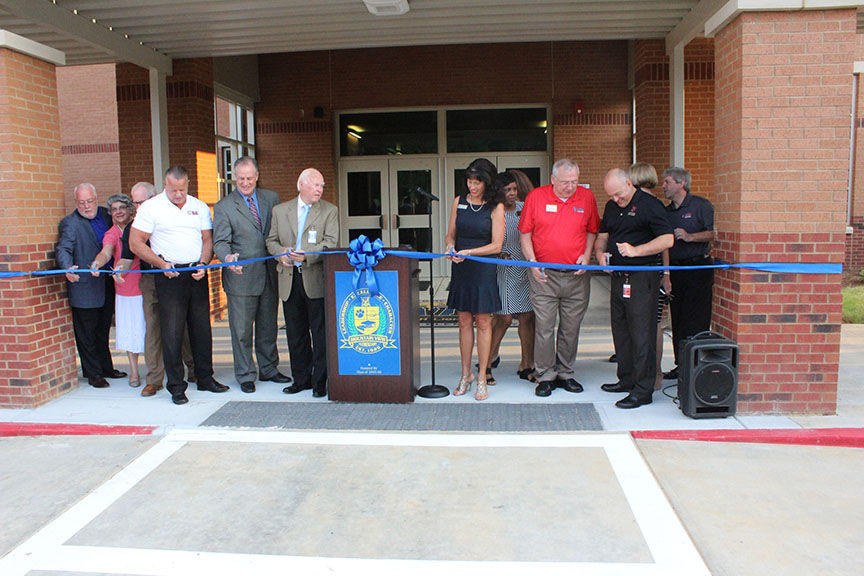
(421, 416)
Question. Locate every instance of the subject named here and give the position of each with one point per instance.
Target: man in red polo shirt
(559, 223)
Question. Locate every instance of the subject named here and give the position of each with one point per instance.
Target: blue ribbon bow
(364, 255)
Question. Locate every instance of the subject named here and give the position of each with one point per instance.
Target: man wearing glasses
(559, 223)
(90, 297)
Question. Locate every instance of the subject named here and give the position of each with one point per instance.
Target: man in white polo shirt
(180, 232)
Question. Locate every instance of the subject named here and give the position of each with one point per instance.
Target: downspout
(852, 134)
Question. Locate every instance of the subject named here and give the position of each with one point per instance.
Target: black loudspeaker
(708, 376)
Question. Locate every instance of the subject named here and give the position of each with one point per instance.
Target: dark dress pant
(304, 327)
(184, 306)
(92, 327)
(634, 330)
(690, 308)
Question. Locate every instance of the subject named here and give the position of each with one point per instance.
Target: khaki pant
(562, 298)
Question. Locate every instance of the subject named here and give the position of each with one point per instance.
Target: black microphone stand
(431, 390)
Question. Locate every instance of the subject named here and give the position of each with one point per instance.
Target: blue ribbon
(377, 249)
(364, 256)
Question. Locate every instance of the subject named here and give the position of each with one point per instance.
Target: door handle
(382, 222)
(395, 221)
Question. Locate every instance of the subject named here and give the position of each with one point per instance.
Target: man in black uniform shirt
(634, 231)
(692, 220)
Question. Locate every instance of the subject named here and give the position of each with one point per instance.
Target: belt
(690, 261)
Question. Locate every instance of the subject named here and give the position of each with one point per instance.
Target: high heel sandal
(482, 393)
(490, 380)
(464, 385)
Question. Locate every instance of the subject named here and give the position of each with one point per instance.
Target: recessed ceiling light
(387, 7)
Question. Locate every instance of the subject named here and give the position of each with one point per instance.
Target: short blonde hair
(643, 175)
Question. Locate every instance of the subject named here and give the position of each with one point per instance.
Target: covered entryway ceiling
(202, 28)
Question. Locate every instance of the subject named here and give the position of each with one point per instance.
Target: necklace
(470, 205)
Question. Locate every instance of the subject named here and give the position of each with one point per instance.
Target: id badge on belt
(625, 289)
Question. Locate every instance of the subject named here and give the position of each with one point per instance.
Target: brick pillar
(37, 350)
(191, 140)
(699, 115)
(782, 137)
(651, 90)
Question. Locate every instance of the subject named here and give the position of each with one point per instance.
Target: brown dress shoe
(150, 390)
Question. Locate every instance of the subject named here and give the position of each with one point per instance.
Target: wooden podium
(388, 388)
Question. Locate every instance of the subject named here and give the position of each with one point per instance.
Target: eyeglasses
(89, 202)
(139, 202)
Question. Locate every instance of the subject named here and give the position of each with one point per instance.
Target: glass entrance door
(389, 198)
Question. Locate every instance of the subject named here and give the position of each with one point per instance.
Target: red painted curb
(40, 429)
(846, 437)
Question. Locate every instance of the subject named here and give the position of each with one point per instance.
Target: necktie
(255, 215)
(301, 223)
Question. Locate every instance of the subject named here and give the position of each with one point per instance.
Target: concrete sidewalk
(193, 499)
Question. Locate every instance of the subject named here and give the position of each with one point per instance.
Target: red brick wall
(699, 115)
(37, 352)
(88, 129)
(557, 73)
(653, 142)
(651, 89)
(784, 84)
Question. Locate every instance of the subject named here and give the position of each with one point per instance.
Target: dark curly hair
(485, 171)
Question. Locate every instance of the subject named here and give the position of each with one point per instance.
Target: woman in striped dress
(513, 283)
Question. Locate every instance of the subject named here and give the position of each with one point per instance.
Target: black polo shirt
(695, 214)
(641, 221)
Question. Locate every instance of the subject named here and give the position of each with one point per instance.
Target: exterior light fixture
(387, 7)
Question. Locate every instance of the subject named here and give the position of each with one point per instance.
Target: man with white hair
(305, 224)
(91, 297)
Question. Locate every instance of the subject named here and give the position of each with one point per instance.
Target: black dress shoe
(615, 388)
(613, 358)
(319, 392)
(98, 382)
(568, 384)
(213, 386)
(115, 374)
(632, 401)
(247, 387)
(544, 389)
(277, 377)
(671, 374)
(295, 388)
(179, 398)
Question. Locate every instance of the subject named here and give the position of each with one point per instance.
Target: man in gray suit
(241, 222)
(305, 224)
(91, 297)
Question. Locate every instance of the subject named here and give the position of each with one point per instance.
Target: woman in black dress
(476, 229)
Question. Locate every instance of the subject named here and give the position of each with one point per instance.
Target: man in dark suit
(91, 297)
(241, 222)
(305, 224)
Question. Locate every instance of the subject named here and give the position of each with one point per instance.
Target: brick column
(651, 90)
(37, 350)
(782, 136)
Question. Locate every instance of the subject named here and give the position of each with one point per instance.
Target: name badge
(578, 210)
(462, 207)
(551, 208)
(312, 237)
